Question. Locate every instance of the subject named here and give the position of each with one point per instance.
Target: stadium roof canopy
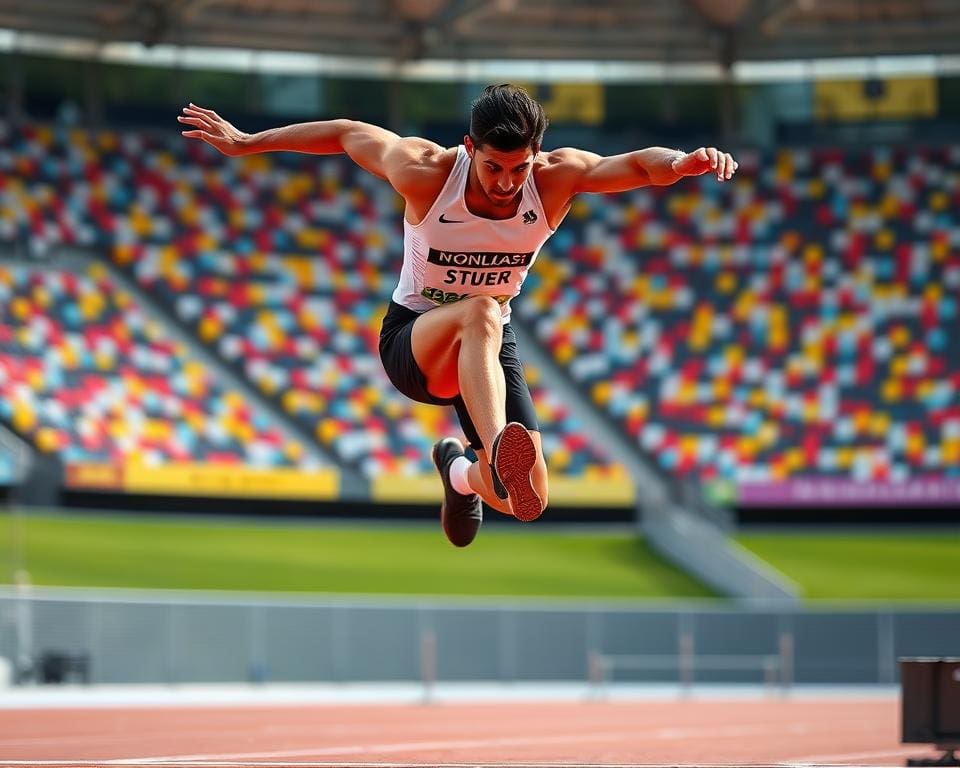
(664, 31)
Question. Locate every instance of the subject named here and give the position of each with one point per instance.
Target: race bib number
(454, 275)
(440, 296)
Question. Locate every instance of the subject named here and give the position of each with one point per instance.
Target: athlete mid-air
(475, 219)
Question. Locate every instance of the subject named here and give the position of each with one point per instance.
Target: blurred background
(749, 392)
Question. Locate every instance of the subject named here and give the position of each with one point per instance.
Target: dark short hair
(506, 118)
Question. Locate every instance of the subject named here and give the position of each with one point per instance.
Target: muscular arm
(377, 150)
(588, 172)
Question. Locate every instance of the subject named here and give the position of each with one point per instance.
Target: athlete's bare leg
(457, 346)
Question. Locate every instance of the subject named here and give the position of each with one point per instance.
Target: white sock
(458, 475)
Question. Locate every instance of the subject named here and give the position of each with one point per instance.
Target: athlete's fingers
(721, 166)
(207, 137)
(196, 121)
(702, 155)
(202, 111)
(712, 155)
(209, 119)
(200, 115)
(731, 166)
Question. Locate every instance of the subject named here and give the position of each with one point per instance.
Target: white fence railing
(776, 669)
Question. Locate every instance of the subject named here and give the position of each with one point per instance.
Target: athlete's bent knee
(483, 313)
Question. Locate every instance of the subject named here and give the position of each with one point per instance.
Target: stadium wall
(138, 637)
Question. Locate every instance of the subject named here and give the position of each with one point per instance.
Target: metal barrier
(777, 668)
(172, 637)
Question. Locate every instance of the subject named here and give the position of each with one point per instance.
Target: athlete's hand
(213, 129)
(706, 160)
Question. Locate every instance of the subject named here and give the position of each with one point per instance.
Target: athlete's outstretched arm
(377, 150)
(589, 172)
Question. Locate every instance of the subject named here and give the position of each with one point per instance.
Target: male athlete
(476, 217)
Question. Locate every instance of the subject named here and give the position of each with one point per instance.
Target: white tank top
(452, 254)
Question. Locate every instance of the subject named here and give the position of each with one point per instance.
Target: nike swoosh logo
(449, 221)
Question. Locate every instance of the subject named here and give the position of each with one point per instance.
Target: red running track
(703, 733)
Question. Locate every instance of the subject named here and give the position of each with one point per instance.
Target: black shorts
(396, 353)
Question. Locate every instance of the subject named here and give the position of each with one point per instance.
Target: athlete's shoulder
(419, 172)
(418, 168)
(558, 170)
(424, 154)
(562, 159)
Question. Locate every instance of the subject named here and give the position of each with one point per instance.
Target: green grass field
(152, 552)
(868, 566)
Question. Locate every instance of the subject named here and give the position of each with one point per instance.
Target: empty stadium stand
(799, 320)
(84, 373)
(282, 264)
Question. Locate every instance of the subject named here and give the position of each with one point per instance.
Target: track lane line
(633, 735)
(836, 757)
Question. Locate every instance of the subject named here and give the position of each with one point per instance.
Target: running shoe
(512, 459)
(460, 515)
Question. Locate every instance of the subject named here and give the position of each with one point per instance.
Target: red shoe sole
(516, 455)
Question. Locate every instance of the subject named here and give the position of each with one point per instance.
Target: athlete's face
(501, 175)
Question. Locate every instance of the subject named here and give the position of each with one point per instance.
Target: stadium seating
(281, 263)
(797, 320)
(800, 320)
(85, 373)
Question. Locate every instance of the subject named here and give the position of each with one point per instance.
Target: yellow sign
(93, 476)
(902, 97)
(402, 489)
(613, 491)
(591, 492)
(570, 102)
(218, 480)
(206, 480)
